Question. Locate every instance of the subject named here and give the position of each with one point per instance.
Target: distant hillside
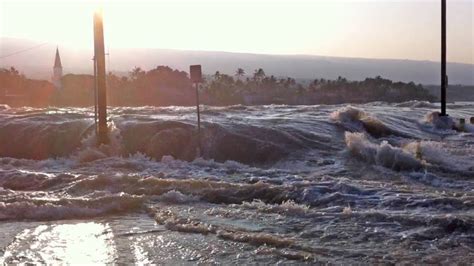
(37, 63)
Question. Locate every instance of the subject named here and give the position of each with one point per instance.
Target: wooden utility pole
(99, 56)
(444, 77)
(95, 96)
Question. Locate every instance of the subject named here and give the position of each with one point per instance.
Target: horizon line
(245, 53)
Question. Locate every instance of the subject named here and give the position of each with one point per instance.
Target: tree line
(166, 86)
(18, 90)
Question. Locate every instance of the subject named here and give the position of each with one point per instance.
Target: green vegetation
(261, 89)
(17, 90)
(166, 86)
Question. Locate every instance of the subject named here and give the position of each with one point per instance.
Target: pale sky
(403, 29)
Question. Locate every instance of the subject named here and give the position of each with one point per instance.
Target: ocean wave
(211, 191)
(439, 122)
(173, 221)
(356, 120)
(243, 143)
(176, 197)
(447, 223)
(240, 142)
(16, 180)
(416, 104)
(434, 154)
(23, 207)
(40, 139)
(288, 207)
(382, 154)
(90, 151)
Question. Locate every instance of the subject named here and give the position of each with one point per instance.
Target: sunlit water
(378, 183)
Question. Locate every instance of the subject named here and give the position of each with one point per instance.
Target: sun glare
(236, 132)
(81, 243)
(279, 27)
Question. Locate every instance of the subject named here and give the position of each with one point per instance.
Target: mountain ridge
(38, 63)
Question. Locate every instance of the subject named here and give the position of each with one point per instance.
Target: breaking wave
(208, 190)
(439, 122)
(356, 120)
(270, 160)
(67, 208)
(416, 104)
(382, 154)
(379, 183)
(43, 137)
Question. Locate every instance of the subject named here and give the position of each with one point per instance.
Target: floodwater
(373, 183)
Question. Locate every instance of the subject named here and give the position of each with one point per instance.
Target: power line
(24, 50)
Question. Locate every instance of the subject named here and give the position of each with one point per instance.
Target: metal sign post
(99, 55)
(196, 78)
(444, 77)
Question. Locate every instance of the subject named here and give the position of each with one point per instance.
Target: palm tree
(14, 71)
(217, 75)
(136, 73)
(259, 74)
(240, 73)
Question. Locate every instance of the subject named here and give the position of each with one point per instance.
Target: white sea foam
(354, 119)
(441, 155)
(247, 208)
(89, 151)
(288, 207)
(382, 154)
(439, 122)
(416, 104)
(57, 209)
(177, 197)
(350, 116)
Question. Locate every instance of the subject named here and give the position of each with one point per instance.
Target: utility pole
(444, 77)
(99, 55)
(95, 96)
(196, 78)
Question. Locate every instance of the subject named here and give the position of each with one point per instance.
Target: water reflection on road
(82, 242)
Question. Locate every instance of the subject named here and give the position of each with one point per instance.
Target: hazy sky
(403, 29)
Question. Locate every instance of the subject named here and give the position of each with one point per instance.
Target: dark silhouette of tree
(136, 73)
(17, 90)
(239, 73)
(166, 86)
(217, 75)
(258, 75)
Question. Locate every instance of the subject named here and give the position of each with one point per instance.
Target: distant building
(57, 72)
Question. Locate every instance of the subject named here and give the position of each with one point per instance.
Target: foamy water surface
(376, 183)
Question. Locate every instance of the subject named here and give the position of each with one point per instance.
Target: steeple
(57, 60)
(57, 71)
